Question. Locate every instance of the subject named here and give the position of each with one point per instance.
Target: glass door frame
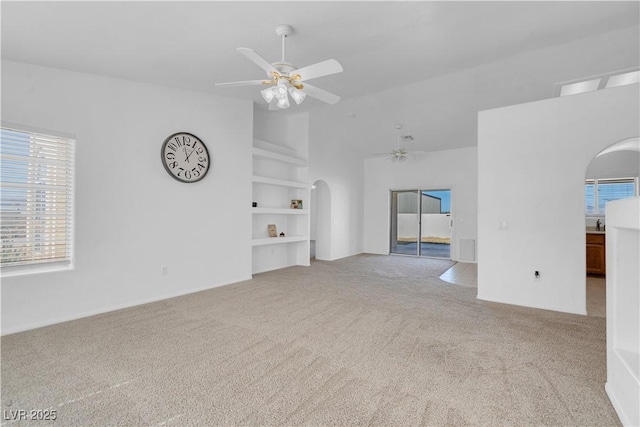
(393, 220)
(393, 229)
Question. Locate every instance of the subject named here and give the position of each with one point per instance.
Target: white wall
(333, 160)
(532, 160)
(132, 218)
(454, 169)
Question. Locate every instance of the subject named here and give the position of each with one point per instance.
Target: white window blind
(600, 191)
(36, 198)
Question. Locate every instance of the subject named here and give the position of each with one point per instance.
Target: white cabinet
(279, 177)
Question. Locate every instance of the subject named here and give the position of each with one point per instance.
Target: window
(600, 191)
(36, 200)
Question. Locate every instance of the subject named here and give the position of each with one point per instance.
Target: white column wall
(532, 160)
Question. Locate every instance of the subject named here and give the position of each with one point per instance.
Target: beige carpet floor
(367, 340)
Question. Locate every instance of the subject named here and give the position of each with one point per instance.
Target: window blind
(36, 198)
(609, 190)
(600, 191)
(590, 196)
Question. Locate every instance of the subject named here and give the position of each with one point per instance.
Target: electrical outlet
(164, 270)
(503, 224)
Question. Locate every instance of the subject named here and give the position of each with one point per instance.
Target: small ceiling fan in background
(284, 79)
(398, 154)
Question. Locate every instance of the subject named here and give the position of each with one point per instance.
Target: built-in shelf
(280, 211)
(280, 182)
(278, 240)
(280, 173)
(259, 152)
(275, 148)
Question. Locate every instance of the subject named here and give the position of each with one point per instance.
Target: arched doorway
(320, 234)
(612, 174)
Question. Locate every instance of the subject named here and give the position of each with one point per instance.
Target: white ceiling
(381, 45)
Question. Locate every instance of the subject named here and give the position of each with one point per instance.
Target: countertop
(593, 230)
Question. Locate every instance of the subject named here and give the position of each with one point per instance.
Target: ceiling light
(399, 154)
(281, 89)
(283, 102)
(297, 94)
(282, 75)
(268, 94)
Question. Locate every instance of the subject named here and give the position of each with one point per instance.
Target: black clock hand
(185, 152)
(188, 155)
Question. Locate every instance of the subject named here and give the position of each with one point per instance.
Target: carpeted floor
(366, 340)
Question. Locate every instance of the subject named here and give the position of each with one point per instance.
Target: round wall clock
(185, 157)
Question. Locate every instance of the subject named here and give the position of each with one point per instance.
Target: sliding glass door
(421, 223)
(405, 222)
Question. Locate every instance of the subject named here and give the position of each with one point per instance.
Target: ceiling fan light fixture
(283, 102)
(281, 89)
(284, 75)
(297, 95)
(268, 94)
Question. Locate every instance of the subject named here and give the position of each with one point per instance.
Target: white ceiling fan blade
(243, 83)
(273, 105)
(255, 57)
(324, 68)
(320, 94)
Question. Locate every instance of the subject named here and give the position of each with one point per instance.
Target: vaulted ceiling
(429, 65)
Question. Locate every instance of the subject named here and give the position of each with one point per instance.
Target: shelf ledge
(265, 154)
(280, 211)
(280, 182)
(276, 148)
(278, 240)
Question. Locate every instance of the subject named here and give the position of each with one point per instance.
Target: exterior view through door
(421, 216)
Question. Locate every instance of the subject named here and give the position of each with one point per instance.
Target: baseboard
(616, 405)
(539, 307)
(346, 256)
(63, 319)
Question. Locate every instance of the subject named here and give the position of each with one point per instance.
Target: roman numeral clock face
(185, 157)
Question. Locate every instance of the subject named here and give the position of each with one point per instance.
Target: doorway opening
(613, 174)
(421, 223)
(320, 221)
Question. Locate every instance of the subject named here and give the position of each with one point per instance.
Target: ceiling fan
(284, 78)
(398, 154)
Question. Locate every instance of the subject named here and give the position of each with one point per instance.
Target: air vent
(407, 138)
